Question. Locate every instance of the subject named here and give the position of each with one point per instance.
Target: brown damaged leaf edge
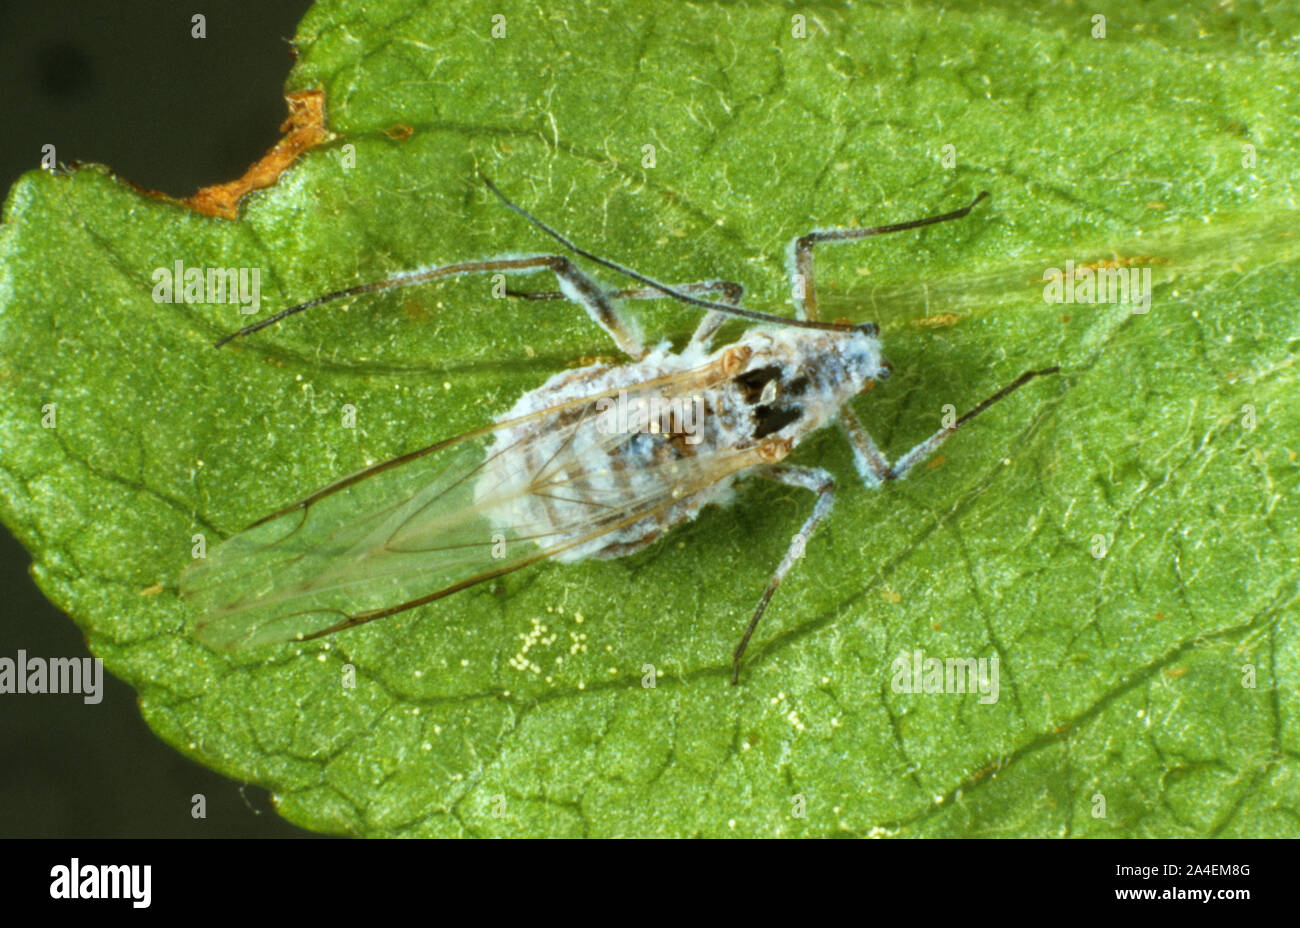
(303, 130)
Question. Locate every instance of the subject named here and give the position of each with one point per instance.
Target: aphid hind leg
(875, 469)
(808, 478)
(805, 307)
(731, 293)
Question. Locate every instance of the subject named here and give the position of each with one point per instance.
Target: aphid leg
(584, 291)
(807, 478)
(708, 327)
(731, 292)
(805, 306)
(574, 284)
(737, 311)
(873, 466)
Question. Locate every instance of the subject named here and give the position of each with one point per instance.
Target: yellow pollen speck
(532, 638)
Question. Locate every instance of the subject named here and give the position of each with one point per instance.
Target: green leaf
(1159, 678)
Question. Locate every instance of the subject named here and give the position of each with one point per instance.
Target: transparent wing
(444, 518)
(1171, 252)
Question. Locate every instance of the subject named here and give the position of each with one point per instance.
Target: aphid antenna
(724, 308)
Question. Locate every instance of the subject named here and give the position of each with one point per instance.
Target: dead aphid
(597, 462)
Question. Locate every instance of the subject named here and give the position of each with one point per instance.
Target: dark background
(124, 84)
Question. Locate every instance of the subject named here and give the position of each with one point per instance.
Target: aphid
(558, 476)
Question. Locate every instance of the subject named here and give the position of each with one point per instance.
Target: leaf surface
(1155, 683)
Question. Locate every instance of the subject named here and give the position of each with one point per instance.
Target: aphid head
(861, 352)
(791, 382)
